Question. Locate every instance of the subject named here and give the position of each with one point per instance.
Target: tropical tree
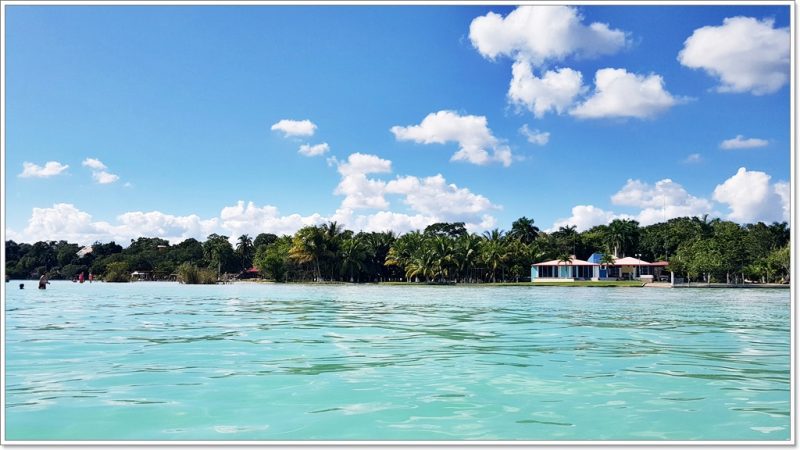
(353, 257)
(524, 230)
(244, 251)
(308, 247)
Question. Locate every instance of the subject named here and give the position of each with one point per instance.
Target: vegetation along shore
(698, 249)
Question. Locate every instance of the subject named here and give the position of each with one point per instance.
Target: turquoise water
(162, 361)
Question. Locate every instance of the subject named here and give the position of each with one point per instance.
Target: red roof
(251, 270)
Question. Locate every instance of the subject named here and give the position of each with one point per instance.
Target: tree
(623, 236)
(353, 254)
(245, 251)
(218, 251)
(453, 230)
(264, 239)
(273, 259)
(308, 247)
(524, 230)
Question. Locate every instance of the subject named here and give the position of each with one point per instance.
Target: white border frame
(378, 444)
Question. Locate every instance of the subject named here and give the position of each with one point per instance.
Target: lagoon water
(162, 361)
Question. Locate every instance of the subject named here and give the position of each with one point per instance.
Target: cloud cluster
(749, 195)
(536, 36)
(740, 142)
(744, 53)
(301, 128)
(50, 169)
(99, 173)
(476, 142)
(543, 33)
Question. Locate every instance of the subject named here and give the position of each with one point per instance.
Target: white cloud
(314, 150)
(741, 142)
(584, 217)
(663, 201)
(554, 91)
(242, 219)
(173, 228)
(295, 127)
(51, 168)
(472, 134)
(535, 136)
(619, 93)
(360, 163)
(745, 54)
(433, 196)
(103, 177)
(751, 197)
(542, 33)
(693, 158)
(93, 163)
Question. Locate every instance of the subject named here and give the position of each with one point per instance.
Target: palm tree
(244, 249)
(442, 249)
(352, 253)
(494, 252)
(524, 230)
(622, 235)
(466, 253)
(308, 247)
(565, 258)
(403, 249)
(607, 259)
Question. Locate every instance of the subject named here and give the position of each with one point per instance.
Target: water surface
(162, 361)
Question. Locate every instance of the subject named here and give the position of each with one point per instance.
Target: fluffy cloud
(744, 53)
(295, 127)
(93, 163)
(103, 177)
(472, 134)
(542, 33)
(250, 219)
(663, 201)
(751, 197)
(585, 217)
(619, 93)
(535, 136)
(51, 168)
(741, 142)
(99, 173)
(167, 226)
(433, 196)
(314, 150)
(428, 200)
(554, 91)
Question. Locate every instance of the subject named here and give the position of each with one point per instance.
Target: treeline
(696, 248)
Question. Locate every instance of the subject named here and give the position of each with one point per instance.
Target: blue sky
(169, 116)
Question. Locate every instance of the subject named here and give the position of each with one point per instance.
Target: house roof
(630, 261)
(574, 262)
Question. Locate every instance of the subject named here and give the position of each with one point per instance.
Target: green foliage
(117, 272)
(273, 259)
(697, 248)
(189, 273)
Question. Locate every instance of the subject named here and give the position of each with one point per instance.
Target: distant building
(84, 251)
(627, 268)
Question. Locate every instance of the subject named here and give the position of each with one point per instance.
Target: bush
(188, 273)
(117, 272)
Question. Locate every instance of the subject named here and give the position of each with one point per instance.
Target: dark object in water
(22, 285)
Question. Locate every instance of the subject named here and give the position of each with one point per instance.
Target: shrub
(117, 272)
(188, 273)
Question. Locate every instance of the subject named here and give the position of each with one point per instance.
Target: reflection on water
(158, 361)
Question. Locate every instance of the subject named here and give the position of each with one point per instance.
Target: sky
(181, 121)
